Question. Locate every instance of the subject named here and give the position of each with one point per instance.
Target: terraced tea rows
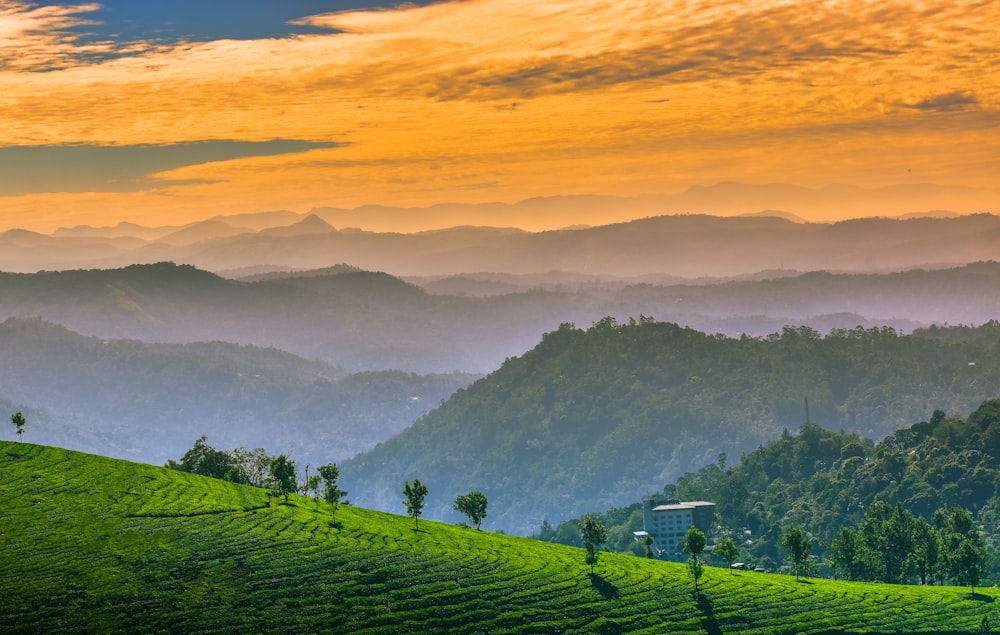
(96, 545)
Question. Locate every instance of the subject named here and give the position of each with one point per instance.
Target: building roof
(687, 505)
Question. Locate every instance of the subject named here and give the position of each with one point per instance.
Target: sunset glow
(502, 100)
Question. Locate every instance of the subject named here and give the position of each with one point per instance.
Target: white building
(668, 524)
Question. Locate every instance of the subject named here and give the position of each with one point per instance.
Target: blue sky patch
(206, 20)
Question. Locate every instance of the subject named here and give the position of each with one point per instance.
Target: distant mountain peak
(774, 213)
(201, 231)
(311, 224)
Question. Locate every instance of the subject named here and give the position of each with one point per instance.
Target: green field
(91, 544)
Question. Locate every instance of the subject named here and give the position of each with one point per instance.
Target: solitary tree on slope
(18, 420)
(472, 505)
(331, 491)
(799, 545)
(728, 550)
(593, 534)
(694, 543)
(415, 495)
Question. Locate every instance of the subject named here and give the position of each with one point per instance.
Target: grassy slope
(96, 544)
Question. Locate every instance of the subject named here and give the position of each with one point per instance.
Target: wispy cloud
(54, 37)
(38, 38)
(946, 102)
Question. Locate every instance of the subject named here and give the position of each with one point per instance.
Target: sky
(168, 112)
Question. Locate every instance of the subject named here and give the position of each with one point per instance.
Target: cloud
(611, 96)
(945, 102)
(54, 37)
(77, 168)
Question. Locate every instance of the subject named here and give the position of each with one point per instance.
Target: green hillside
(91, 544)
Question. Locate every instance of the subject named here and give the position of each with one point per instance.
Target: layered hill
(354, 320)
(150, 402)
(362, 320)
(98, 545)
(597, 418)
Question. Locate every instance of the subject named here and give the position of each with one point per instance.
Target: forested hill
(827, 482)
(824, 481)
(596, 418)
(149, 402)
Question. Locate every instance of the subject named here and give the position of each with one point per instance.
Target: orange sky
(502, 100)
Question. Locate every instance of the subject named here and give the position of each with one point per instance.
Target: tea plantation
(91, 544)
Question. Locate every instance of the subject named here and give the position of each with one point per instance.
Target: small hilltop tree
(593, 534)
(799, 545)
(472, 505)
(728, 551)
(331, 491)
(415, 495)
(283, 476)
(18, 420)
(694, 544)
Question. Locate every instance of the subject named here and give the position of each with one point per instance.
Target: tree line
(279, 474)
(893, 545)
(259, 469)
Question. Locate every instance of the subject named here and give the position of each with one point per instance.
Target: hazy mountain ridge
(363, 320)
(725, 198)
(150, 402)
(689, 246)
(588, 420)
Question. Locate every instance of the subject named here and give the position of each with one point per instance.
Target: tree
(648, 541)
(414, 502)
(283, 476)
(845, 556)
(205, 460)
(798, 544)
(898, 545)
(331, 491)
(728, 551)
(968, 562)
(18, 420)
(965, 548)
(926, 550)
(694, 544)
(593, 534)
(312, 484)
(254, 465)
(472, 505)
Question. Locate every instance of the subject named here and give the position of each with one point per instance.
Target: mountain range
(689, 246)
(358, 320)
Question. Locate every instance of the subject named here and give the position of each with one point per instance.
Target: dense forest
(596, 418)
(847, 493)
